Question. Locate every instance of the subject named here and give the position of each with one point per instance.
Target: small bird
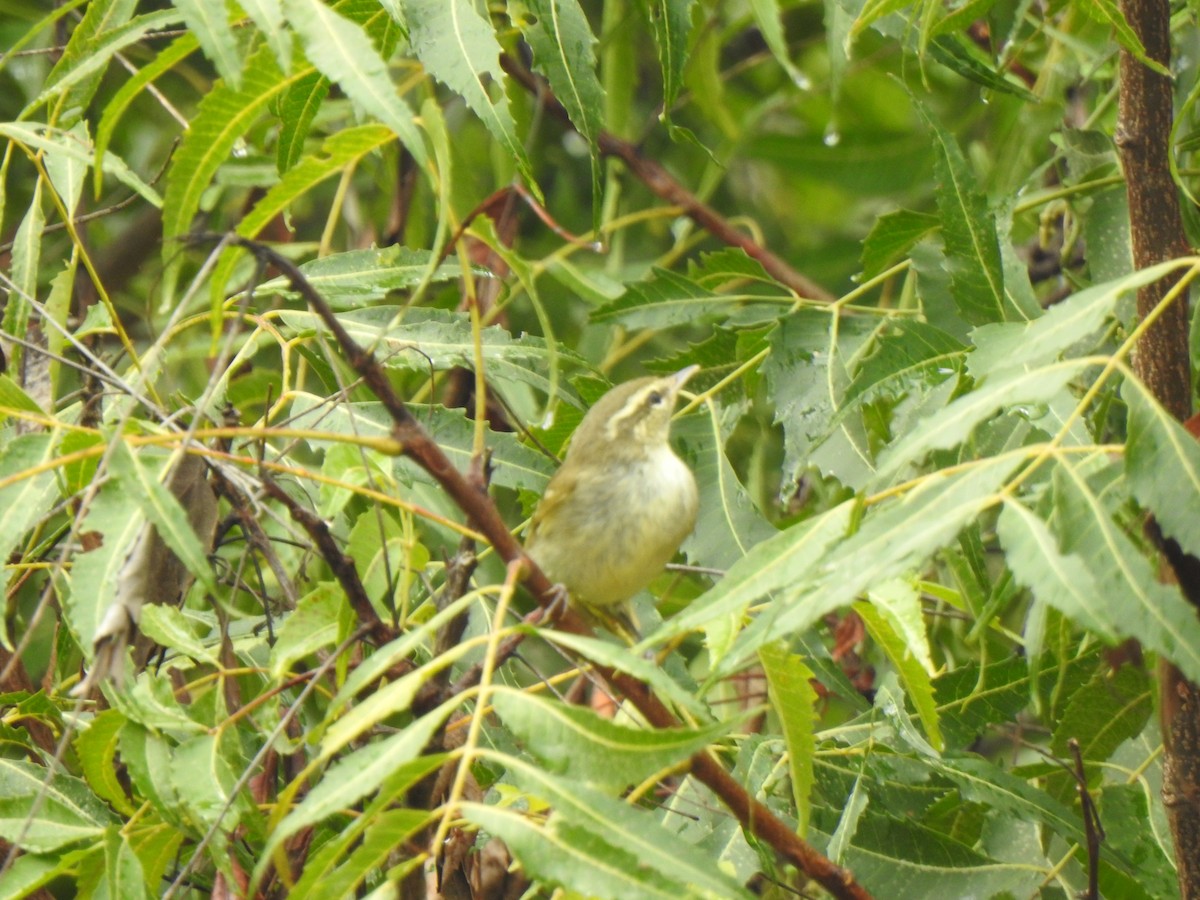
(621, 504)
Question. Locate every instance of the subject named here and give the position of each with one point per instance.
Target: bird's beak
(681, 377)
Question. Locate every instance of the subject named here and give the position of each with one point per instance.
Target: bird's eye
(655, 398)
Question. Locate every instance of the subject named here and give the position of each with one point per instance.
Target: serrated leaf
(969, 232)
(223, 116)
(909, 352)
(169, 627)
(99, 21)
(730, 524)
(458, 47)
(161, 505)
(952, 424)
(359, 773)
(341, 50)
(26, 258)
(904, 860)
(338, 153)
(564, 51)
(312, 625)
(583, 746)
(767, 14)
(174, 53)
(357, 277)
(781, 560)
(794, 700)
(41, 811)
(1162, 461)
(114, 519)
(209, 21)
(97, 749)
(892, 236)
(425, 338)
(1001, 346)
(1110, 14)
(297, 110)
(601, 828)
(671, 22)
(911, 668)
(1129, 598)
(268, 16)
(893, 540)
(1060, 580)
(27, 497)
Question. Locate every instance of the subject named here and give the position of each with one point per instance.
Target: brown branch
(416, 443)
(1091, 823)
(665, 185)
(1162, 363)
(341, 564)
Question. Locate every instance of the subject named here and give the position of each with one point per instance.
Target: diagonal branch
(416, 443)
(665, 185)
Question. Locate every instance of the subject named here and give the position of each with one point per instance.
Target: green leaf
(969, 231)
(170, 627)
(458, 47)
(147, 757)
(204, 779)
(41, 811)
(297, 110)
(1002, 346)
(1162, 462)
(794, 701)
(671, 22)
(314, 624)
(88, 40)
(893, 619)
(209, 21)
(26, 257)
(341, 50)
(911, 355)
(904, 860)
(114, 520)
(784, 559)
(730, 524)
(563, 46)
(1060, 580)
(767, 15)
(895, 539)
(359, 773)
(54, 141)
(892, 236)
(605, 844)
(1107, 711)
(28, 497)
(268, 16)
(581, 745)
(223, 116)
(162, 508)
(953, 424)
(122, 875)
(1110, 14)
(1129, 598)
(338, 153)
(421, 339)
(97, 749)
(358, 277)
(174, 53)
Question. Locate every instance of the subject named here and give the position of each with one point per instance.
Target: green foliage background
(950, 443)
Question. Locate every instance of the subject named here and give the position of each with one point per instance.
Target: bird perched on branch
(621, 504)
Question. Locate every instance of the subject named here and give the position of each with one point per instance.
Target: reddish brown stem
(1162, 363)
